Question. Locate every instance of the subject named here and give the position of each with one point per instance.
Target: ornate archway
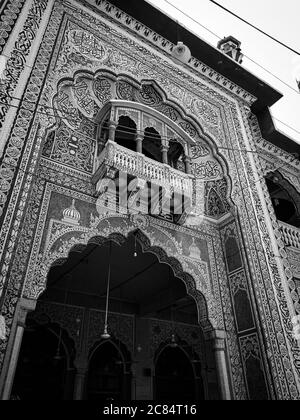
(58, 249)
(192, 271)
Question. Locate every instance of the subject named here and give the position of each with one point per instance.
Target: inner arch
(149, 305)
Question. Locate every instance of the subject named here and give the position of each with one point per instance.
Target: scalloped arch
(79, 244)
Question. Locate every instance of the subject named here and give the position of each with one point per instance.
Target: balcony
(291, 235)
(116, 159)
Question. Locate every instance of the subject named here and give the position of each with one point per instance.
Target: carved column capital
(25, 306)
(139, 142)
(218, 338)
(112, 125)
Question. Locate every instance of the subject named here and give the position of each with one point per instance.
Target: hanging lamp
(135, 247)
(105, 335)
(58, 355)
(173, 343)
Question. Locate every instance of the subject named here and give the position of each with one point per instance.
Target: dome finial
(71, 214)
(195, 252)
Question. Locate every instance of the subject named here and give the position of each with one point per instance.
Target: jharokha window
(139, 141)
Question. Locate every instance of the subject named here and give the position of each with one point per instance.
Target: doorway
(107, 375)
(147, 301)
(174, 376)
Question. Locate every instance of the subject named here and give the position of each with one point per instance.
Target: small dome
(71, 214)
(195, 252)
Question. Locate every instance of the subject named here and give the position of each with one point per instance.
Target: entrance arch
(159, 243)
(175, 376)
(108, 376)
(45, 369)
(78, 249)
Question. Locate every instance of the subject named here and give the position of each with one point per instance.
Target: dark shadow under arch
(109, 376)
(162, 257)
(177, 376)
(45, 370)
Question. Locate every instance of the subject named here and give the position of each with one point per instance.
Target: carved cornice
(154, 39)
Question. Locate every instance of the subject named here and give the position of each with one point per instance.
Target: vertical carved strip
(16, 62)
(9, 14)
(243, 311)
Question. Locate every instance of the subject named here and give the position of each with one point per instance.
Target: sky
(280, 19)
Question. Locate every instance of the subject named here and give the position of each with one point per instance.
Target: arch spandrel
(157, 241)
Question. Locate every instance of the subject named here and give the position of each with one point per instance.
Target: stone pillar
(112, 130)
(188, 164)
(80, 379)
(142, 370)
(218, 339)
(24, 306)
(164, 150)
(139, 143)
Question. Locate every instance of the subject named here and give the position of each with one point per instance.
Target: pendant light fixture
(135, 247)
(58, 355)
(106, 335)
(173, 343)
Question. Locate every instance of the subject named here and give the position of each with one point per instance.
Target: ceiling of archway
(139, 285)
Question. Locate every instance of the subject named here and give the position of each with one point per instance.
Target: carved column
(24, 306)
(164, 150)
(112, 130)
(218, 339)
(188, 164)
(139, 143)
(80, 379)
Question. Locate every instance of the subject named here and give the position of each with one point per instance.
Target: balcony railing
(139, 166)
(291, 235)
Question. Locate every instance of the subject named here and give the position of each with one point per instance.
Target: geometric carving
(216, 203)
(149, 96)
(103, 89)
(69, 148)
(241, 301)
(207, 170)
(254, 370)
(232, 251)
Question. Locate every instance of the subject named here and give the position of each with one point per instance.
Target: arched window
(176, 156)
(174, 376)
(285, 200)
(106, 377)
(126, 133)
(152, 144)
(44, 370)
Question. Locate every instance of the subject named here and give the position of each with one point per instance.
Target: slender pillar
(188, 164)
(139, 143)
(112, 130)
(14, 345)
(164, 150)
(80, 379)
(218, 339)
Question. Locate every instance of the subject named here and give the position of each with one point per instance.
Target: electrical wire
(217, 36)
(219, 148)
(254, 27)
(287, 125)
(127, 130)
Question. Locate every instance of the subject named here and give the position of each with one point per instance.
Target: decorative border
(8, 18)
(262, 267)
(152, 38)
(16, 63)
